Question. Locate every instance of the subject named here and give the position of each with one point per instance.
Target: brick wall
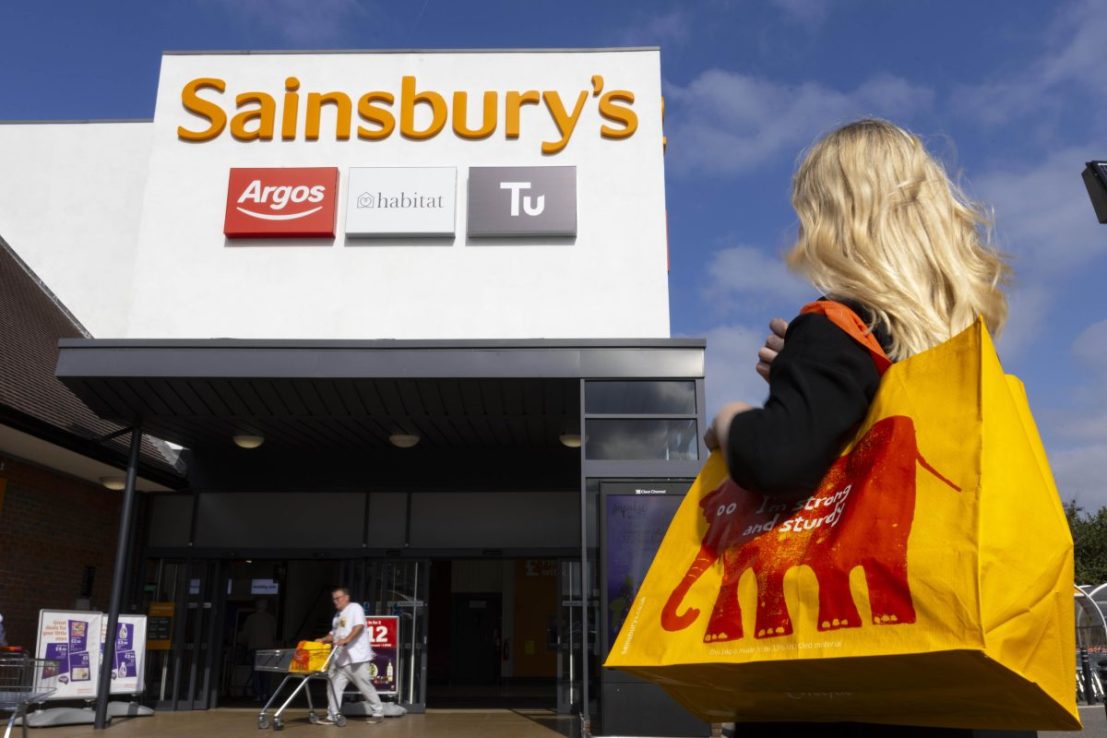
(51, 528)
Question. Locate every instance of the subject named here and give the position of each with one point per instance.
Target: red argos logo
(282, 203)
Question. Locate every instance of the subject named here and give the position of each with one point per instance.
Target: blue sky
(1011, 96)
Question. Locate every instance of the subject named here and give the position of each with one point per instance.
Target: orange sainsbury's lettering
(414, 112)
(380, 116)
(217, 119)
(264, 114)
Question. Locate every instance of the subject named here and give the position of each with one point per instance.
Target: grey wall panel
(280, 519)
(481, 575)
(170, 519)
(495, 520)
(387, 518)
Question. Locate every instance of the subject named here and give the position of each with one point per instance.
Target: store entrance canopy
(323, 400)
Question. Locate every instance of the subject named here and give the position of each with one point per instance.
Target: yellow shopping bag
(310, 656)
(928, 581)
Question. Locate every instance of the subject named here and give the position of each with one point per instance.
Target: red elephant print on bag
(860, 515)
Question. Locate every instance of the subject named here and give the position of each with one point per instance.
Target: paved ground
(1095, 724)
(232, 723)
(235, 723)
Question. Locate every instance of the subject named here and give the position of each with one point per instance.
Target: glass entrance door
(400, 588)
(568, 636)
(186, 599)
(570, 662)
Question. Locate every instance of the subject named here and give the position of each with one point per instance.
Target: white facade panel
(608, 281)
(70, 200)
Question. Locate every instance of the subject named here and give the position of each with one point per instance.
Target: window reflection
(631, 440)
(640, 398)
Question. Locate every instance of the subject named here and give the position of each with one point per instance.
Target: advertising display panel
(634, 518)
(74, 641)
(69, 639)
(128, 671)
(384, 635)
(159, 632)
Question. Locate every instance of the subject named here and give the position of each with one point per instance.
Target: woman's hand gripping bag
(928, 581)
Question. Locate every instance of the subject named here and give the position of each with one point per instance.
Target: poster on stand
(67, 639)
(128, 671)
(384, 635)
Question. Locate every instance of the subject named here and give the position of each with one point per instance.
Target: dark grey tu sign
(506, 202)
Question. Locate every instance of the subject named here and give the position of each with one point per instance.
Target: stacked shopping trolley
(23, 681)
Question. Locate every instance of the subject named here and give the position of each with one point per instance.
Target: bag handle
(842, 316)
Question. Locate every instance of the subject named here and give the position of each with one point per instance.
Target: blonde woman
(884, 231)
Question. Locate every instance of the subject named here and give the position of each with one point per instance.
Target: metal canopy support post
(585, 720)
(107, 658)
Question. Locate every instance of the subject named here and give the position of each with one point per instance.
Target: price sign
(384, 634)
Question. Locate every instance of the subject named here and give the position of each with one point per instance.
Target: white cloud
(738, 274)
(1043, 215)
(725, 122)
(1091, 346)
(672, 28)
(1079, 475)
(807, 12)
(319, 22)
(1073, 55)
(729, 367)
(1027, 308)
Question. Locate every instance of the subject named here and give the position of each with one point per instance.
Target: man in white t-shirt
(352, 665)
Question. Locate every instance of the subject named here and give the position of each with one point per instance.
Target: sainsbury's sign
(281, 203)
(417, 112)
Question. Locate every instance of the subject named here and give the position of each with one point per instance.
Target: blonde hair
(882, 224)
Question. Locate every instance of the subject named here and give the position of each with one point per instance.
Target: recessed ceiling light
(570, 440)
(243, 440)
(403, 440)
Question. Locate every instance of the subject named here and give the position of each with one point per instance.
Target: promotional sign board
(507, 202)
(401, 201)
(128, 670)
(68, 639)
(159, 633)
(281, 202)
(384, 634)
(634, 518)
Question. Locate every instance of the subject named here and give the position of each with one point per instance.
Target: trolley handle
(335, 650)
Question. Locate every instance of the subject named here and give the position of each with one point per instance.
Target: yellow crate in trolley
(310, 656)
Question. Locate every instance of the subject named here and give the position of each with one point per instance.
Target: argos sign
(281, 203)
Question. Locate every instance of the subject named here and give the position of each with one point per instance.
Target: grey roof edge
(314, 344)
(304, 52)
(74, 122)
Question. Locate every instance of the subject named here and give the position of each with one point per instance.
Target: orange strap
(841, 316)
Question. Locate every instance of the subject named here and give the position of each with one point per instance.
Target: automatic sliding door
(401, 588)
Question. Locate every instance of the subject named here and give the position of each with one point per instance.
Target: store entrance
(494, 631)
(232, 608)
(471, 633)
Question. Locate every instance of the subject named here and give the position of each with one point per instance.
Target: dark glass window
(640, 398)
(634, 439)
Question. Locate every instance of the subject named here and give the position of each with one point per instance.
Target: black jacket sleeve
(820, 387)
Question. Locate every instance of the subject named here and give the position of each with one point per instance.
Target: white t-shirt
(359, 650)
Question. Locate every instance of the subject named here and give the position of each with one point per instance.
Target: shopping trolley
(24, 680)
(284, 661)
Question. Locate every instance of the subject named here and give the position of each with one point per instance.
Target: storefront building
(429, 291)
